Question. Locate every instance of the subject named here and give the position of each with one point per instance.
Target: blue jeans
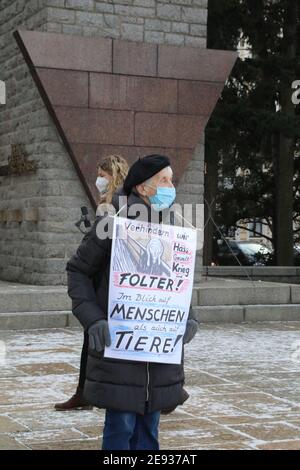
(130, 431)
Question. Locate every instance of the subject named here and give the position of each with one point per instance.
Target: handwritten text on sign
(151, 282)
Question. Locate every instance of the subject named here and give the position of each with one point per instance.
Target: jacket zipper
(148, 381)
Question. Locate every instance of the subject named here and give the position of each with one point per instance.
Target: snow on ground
(243, 380)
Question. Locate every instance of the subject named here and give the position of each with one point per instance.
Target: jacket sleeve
(192, 315)
(92, 256)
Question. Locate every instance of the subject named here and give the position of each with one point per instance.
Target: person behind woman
(112, 171)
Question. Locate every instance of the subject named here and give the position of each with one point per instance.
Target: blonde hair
(117, 167)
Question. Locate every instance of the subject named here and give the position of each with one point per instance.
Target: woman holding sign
(132, 391)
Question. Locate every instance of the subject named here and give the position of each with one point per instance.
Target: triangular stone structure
(113, 96)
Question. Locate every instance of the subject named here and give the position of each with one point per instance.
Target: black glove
(191, 330)
(99, 335)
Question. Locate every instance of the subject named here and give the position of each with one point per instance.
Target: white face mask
(101, 183)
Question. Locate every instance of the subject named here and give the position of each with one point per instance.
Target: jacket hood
(120, 198)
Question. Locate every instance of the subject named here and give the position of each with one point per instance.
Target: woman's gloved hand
(191, 330)
(99, 335)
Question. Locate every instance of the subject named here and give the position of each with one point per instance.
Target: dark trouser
(130, 431)
(83, 360)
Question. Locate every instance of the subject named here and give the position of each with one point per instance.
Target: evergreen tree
(255, 125)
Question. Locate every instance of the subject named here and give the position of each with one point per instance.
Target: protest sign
(150, 289)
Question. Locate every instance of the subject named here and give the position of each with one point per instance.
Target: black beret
(144, 168)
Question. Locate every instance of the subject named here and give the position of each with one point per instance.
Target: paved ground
(243, 380)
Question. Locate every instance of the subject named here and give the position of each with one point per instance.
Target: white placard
(150, 290)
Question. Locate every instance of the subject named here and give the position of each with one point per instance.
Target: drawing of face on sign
(151, 261)
(155, 250)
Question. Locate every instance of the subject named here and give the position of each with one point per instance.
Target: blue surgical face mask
(163, 198)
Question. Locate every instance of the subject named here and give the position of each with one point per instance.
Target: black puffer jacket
(110, 383)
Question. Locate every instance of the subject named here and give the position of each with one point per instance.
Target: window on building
(255, 228)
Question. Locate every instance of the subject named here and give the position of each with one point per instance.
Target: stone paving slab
(243, 381)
